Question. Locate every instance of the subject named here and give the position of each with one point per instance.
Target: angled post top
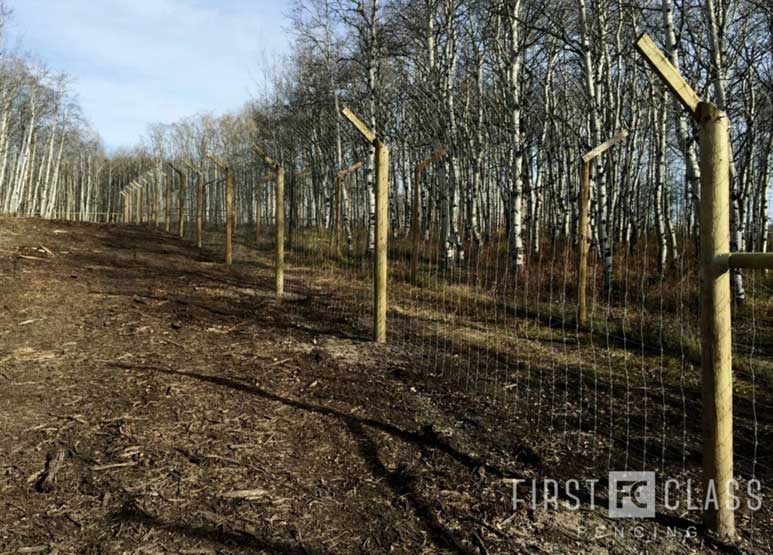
(668, 73)
(217, 161)
(367, 133)
(603, 147)
(266, 158)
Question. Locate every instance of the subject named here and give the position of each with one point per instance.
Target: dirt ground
(154, 401)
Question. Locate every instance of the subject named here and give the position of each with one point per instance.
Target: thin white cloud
(140, 61)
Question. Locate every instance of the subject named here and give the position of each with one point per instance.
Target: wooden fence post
(716, 339)
(258, 189)
(280, 232)
(415, 231)
(148, 200)
(229, 216)
(228, 207)
(199, 201)
(180, 200)
(257, 210)
(382, 208)
(140, 203)
(381, 224)
(167, 204)
(716, 316)
(583, 235)
(199, 208)
(125, 198)
(716, 342)
(157, 190)
(583, 240)
(339, 214)
(136, 204)
(280, 219)
(293, 212)
(339, 211)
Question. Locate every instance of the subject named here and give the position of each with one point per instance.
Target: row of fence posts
(716, 260)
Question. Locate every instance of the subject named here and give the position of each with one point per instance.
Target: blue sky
(135, 62)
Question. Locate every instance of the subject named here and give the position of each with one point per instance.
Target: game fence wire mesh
(622, 393)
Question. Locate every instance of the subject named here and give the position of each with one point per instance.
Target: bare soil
(153, 400)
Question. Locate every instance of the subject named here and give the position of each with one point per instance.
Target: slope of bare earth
(154, 401)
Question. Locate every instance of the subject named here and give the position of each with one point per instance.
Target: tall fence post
(125, 198)
(229, 196)
(136, 204)
(339, 211)
(339, 214)
(148, 199)
(381, 224)
(266, 179)
(180, 200)
(415, 231)
(280, 219)
(280, 232)
(140, 203)
(199, 208)
(583, 240)
(716, 339)
(157, 195)
(716, 317)
(229, 215)
(257, 210)
(382, 208)
(583, 234)
(168, 204)
(199, 201)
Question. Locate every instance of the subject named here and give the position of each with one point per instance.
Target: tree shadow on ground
(214, 534)
(401, 483)
(426, 438)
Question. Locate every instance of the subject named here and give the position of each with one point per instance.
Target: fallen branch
(279, 362)
(248, 494)
(47, 250)
(111, 466)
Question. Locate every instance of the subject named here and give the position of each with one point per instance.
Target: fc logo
(632, 495)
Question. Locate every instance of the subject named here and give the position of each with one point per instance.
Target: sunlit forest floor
(153, 400)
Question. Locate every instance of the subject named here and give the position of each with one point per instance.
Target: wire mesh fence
(622, 393)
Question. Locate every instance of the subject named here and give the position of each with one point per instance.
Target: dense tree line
(516, 90)
(51, 163)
